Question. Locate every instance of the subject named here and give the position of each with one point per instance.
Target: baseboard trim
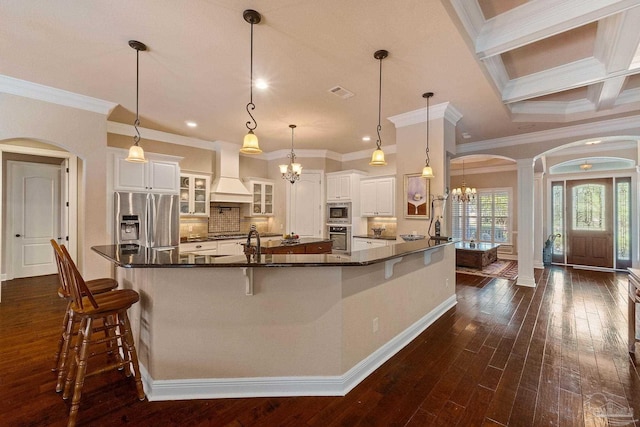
(340, 385)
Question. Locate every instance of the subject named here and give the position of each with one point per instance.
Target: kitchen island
(280, 324)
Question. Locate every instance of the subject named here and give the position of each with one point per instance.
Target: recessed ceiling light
(366, 138)
(191, 124)
(261, 84)
(466, 135)
(592, 142)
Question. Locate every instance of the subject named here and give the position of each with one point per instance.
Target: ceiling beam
(540, 19)
(617, 40)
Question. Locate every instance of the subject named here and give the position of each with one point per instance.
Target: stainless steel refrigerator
(147, 219)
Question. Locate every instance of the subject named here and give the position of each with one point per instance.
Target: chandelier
(464, 194)
(292, 171)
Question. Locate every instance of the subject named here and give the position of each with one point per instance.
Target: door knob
(18, 235)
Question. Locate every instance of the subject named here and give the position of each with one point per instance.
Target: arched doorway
(41, 179)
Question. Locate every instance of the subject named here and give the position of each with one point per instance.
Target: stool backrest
(62, 276)
(76, 282)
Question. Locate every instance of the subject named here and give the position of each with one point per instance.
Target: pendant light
(377, 159)
(292, 171)
(427, 171)
(136, 153)
(250, 144)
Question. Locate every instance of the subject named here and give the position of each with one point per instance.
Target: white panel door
(306, 205)
(35, 210)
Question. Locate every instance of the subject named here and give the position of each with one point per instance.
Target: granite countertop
(133, 256)
(373, 236)
(228, 236)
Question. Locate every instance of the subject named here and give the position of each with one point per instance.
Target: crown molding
(444, 110)
(483, 170)
(304, 154)
(576, 131)
(40, 92)
(156, 135)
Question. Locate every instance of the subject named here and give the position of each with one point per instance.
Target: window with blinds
(486, 219)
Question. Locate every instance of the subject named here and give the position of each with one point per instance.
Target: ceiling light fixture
(292, 171)
(191, 124)
(464, 194)
(586, 166)
(377, 159)
(261, 84)
(136, 153)
(250, 144)
(427, 171)
(366, 138)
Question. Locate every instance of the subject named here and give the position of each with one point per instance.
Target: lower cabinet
(306, 248)
(360, 243)
(231, 247)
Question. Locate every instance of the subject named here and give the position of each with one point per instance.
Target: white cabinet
(377, 196)
(196, 252)
(231, 247)
(360, 243)
(158, 175)
(338, 188)
(343, 186)
(194, 195)
(262, 196)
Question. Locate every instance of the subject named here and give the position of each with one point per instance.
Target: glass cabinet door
(199, 196)
(185, 185)
(268, 199)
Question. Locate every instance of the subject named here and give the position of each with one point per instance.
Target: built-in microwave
(338, 213)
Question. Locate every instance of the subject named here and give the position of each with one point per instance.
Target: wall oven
(339, 213)
(341, 238)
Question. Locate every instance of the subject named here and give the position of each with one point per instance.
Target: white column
(538, 222)
(525, 223)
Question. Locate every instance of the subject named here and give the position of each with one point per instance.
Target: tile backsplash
(224, 218)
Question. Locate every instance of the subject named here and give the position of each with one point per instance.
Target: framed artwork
(416, 196)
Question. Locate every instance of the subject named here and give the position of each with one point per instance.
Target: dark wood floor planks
(504, 356)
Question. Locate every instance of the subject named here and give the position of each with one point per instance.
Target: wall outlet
(446, 283)
(190, 228)
(376, 325)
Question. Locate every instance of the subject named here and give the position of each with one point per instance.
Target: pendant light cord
(427, 151)
(292, 155)
(136, 138)
(251, 106)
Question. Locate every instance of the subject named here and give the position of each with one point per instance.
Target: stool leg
(85, 335)
(63, 362)
(128, 341)
(56, 356)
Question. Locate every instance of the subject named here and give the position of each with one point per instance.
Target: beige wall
(80, 132)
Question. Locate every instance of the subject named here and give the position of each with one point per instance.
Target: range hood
(226, 186)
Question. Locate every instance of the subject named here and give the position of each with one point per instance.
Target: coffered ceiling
(510, 67)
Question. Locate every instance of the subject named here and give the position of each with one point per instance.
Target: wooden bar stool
(96, 286)
(110, 307)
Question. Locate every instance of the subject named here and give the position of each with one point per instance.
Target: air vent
(341, 92)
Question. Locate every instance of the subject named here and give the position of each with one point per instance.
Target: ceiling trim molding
(575, 131)
(557, 111)
(488, 169)
(304, 154)
(156, 135)
(52, 95)
(444, 110)
(583, 149)
(617, 40)
(366, 154)
(541, 19)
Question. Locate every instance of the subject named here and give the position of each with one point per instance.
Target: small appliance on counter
(147, 219)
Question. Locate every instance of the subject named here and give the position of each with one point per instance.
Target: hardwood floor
(505, 355)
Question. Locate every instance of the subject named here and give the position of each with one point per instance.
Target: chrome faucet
(251, 250)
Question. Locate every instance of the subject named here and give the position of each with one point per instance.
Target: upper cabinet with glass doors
(262, 196)
(194, 195)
